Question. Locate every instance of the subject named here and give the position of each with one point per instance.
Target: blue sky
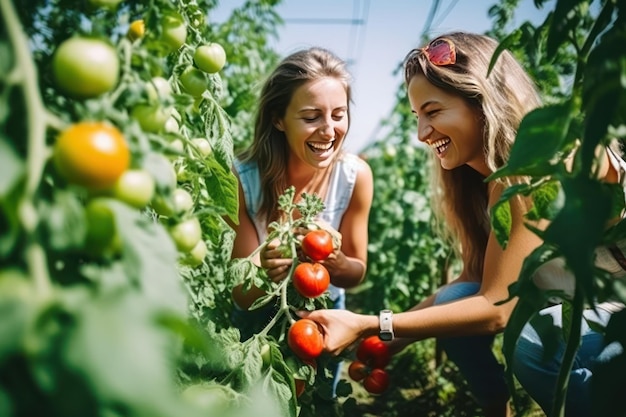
(375, 48)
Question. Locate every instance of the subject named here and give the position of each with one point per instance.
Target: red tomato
(377, 381)
(305, 339)
(357, 370)
(311, 280)
(317, 245)
(373, 352)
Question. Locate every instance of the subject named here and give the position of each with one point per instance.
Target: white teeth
(440, 144)
(321, 146)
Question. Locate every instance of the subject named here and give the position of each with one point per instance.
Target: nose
(326, 130)
(424, 130)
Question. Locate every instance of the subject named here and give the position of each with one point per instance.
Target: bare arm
(471, 315)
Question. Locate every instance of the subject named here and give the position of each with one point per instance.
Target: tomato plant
(377, 381)
(311, 279)
(373, 352)
(91, 154)
(305, 339)
(85, 67)
(151, 117)
(317, 245)
(210, 58)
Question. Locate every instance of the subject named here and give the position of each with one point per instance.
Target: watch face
(385, 336)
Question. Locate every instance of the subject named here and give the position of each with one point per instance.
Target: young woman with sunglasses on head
(302, 120)
(469, 120)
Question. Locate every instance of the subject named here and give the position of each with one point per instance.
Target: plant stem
(36, 117)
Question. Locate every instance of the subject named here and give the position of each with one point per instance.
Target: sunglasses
(440, 52)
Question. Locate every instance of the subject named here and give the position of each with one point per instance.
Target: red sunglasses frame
(440, 52)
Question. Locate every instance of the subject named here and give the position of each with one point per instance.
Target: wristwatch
(386, 325)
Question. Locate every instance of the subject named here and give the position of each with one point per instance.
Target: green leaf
(501, 221)
(540, 137)
(12, 167)
(223, 189)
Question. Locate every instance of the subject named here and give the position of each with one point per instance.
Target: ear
(278, 124)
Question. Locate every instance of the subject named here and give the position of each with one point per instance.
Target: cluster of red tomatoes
(372, 356)
(96, 155)
(310, 279)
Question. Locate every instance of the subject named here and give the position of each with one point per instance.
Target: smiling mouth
(440, 145)
(320, 147)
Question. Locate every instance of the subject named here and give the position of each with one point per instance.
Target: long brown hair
(269, 146)
(504, 97)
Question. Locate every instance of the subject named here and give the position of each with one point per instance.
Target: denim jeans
(473, 355)
(539, 376)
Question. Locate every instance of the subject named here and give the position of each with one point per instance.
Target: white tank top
(340, 189)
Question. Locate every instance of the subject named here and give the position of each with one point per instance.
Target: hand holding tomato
(317, 245)
(341, 328)
(305, 339)
(273, 260)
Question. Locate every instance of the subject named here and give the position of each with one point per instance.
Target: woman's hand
(274, 262)
(341, 328)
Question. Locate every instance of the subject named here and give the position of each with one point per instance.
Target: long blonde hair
(269, 148)
(504, 97)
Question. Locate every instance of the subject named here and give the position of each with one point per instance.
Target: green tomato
(181, 202)
(186, 234)
(158, 87)
(210, 397)
(203, 146)
(85, 67)
(102, 238)
(210, 58)
(151, 118)
(194, 81)
(174, 31)
(195, 256)
(106, 4)
(171, 125)
(134, 187)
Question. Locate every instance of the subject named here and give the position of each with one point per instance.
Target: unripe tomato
(171, 125)
(317, 245)
(102, 237)
(85, 67)
(106, 4)
(373, 352)
(196, 255)
(311, 280)
(134, 187)
(357, 371)
(210, 58)
(91, 154)
(174, 31)
(151, 118)
(305, 339)
(180, 203)
(377, 381)
(213, 398)
(194, 81)
(158, 87)
(203, 146)
(136, 30)
(186, 234)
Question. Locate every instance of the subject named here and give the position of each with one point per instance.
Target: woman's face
(448, 125)
(316, 121)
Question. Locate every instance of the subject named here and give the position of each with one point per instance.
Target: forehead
(321, 91)
(421, 91)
